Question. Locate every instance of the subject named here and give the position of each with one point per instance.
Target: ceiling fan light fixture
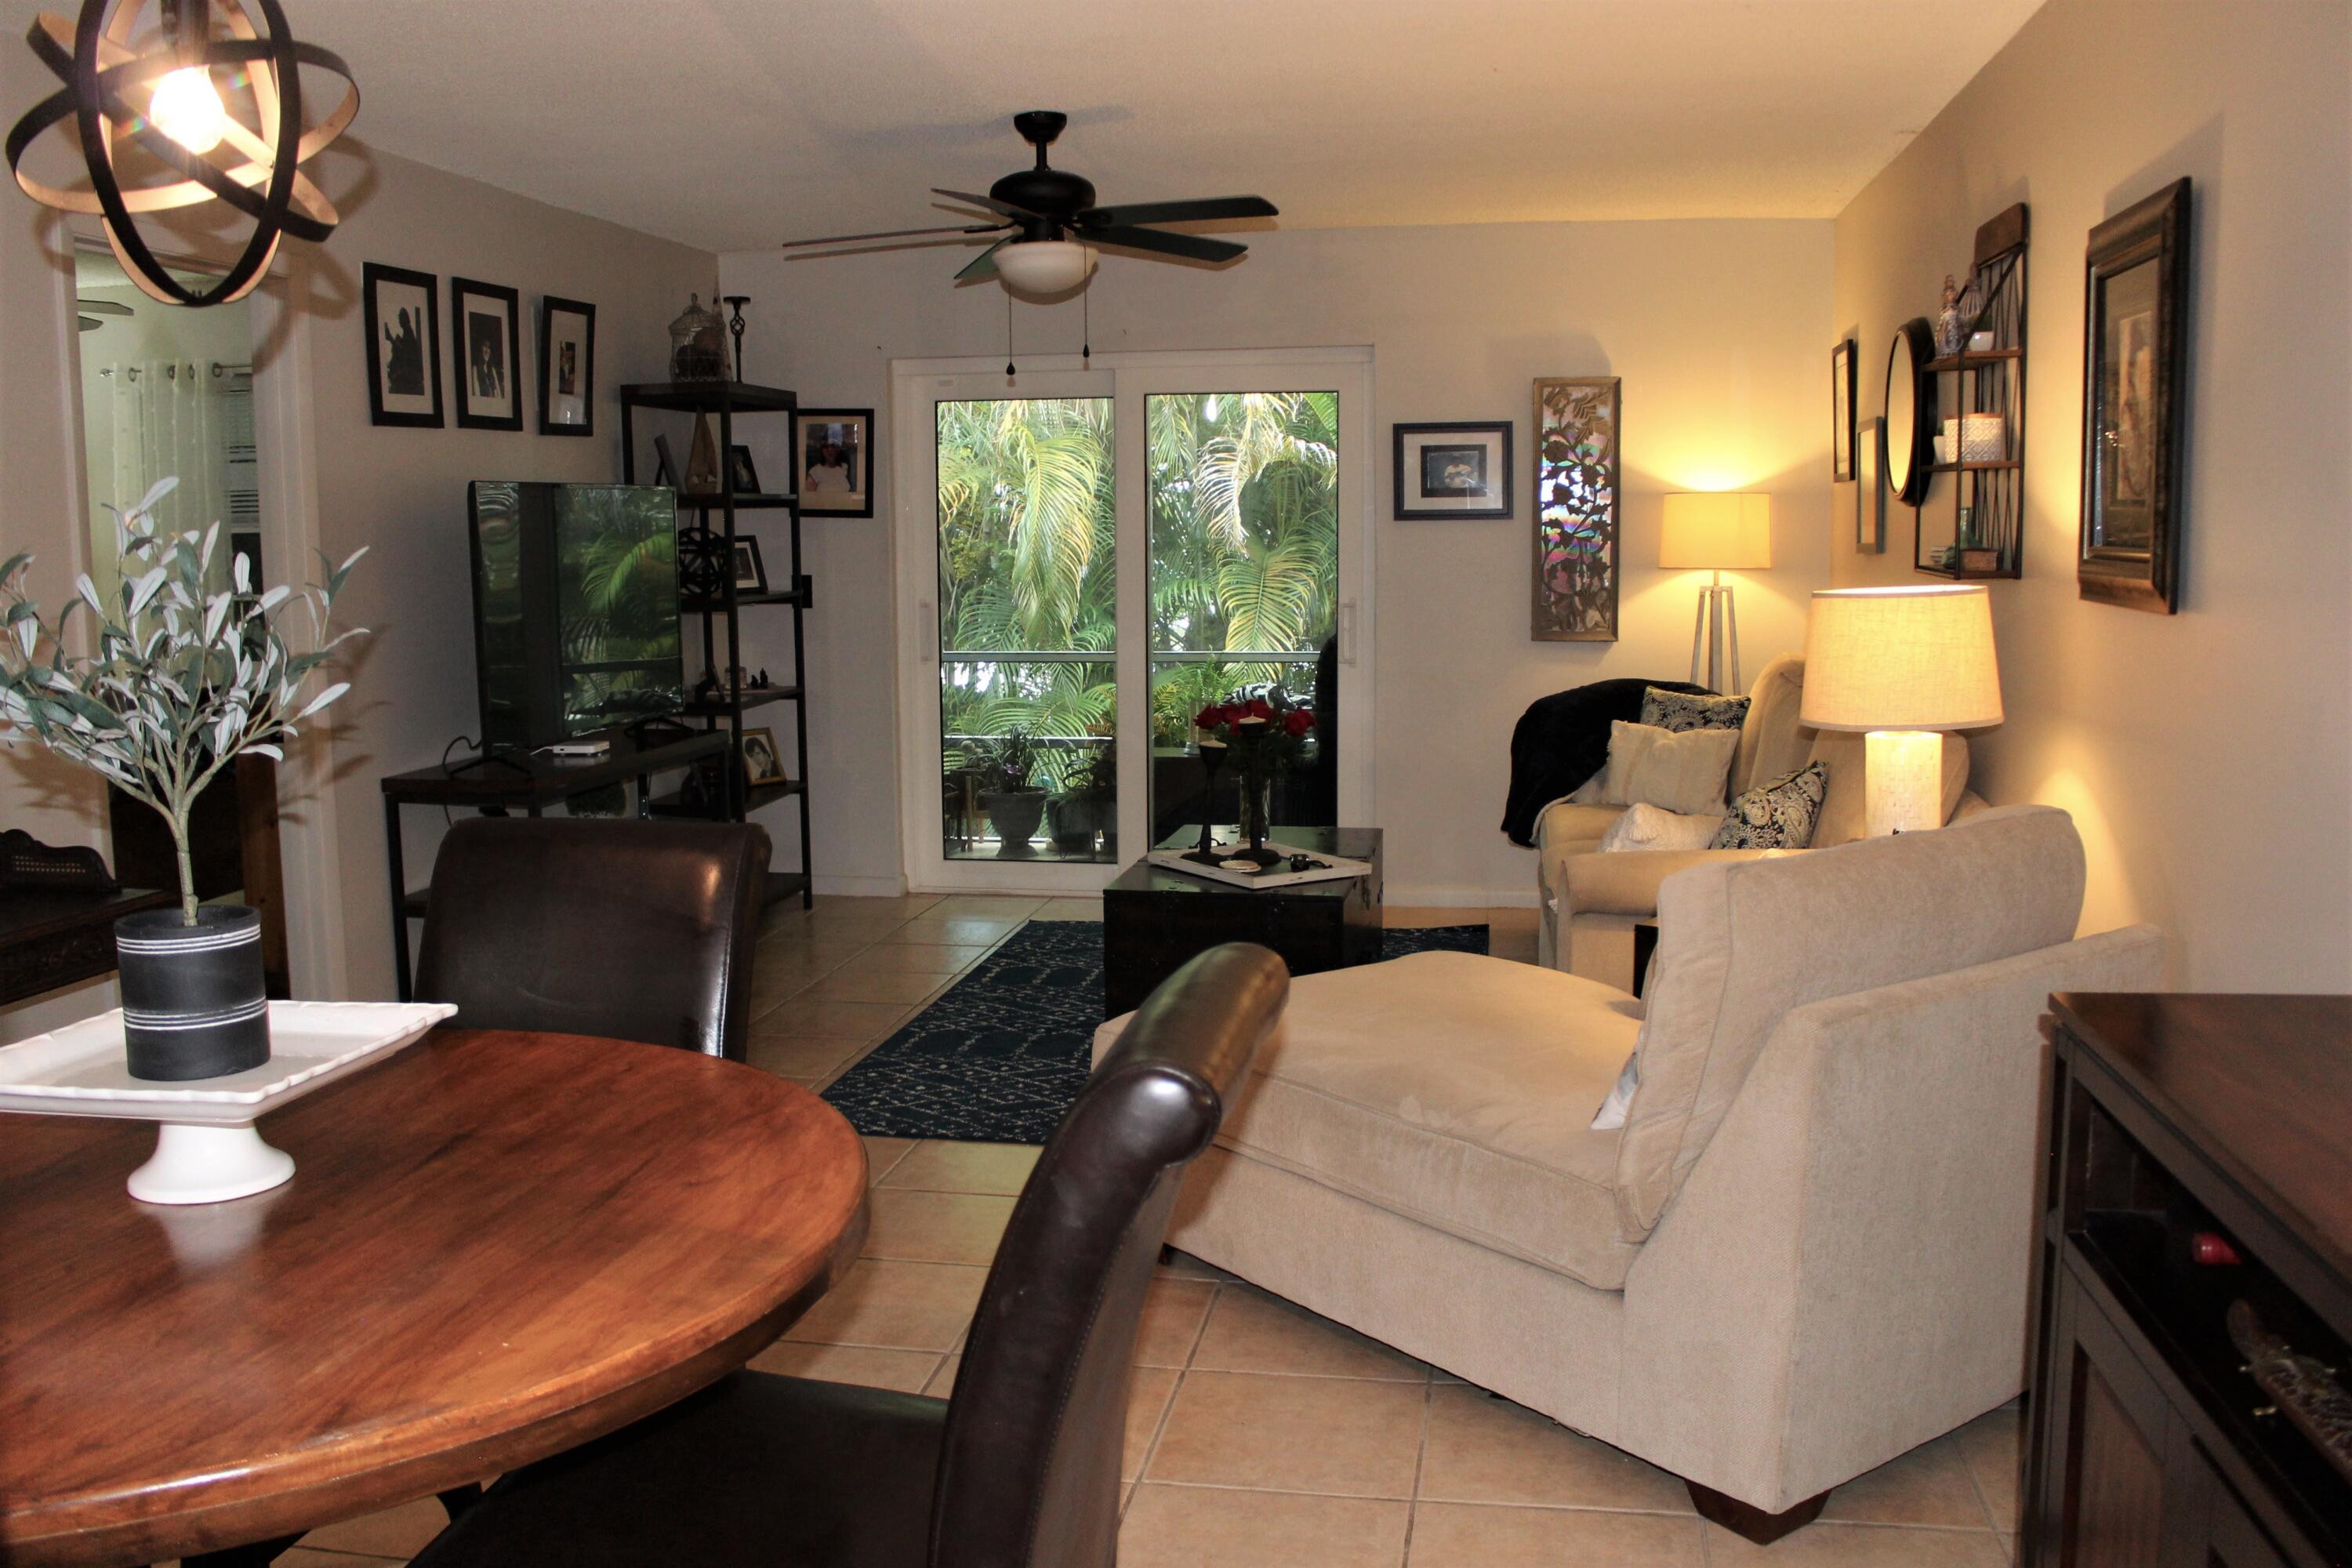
(1045, 266)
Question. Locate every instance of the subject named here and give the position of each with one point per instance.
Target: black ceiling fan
(1043, 204)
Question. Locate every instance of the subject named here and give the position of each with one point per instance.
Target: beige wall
(1720, 330)
(400, 491)
(2208, 756)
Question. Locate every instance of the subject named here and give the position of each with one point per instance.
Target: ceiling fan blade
(990, 204)
(984, 263)
(1193, 247)
(102, 307)
(893, 234)
(1181, 211)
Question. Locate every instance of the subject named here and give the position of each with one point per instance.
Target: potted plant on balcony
(180, 682)
(1013, 803)
(1089, 804)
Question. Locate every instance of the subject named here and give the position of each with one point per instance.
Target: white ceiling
(734, 124)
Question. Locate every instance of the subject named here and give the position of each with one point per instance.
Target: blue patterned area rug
(998, 1058)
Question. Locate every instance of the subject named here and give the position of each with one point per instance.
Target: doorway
(1087, 557)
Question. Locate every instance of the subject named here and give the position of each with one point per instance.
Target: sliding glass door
(1088, 559)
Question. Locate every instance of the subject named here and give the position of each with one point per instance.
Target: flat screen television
(575, 608)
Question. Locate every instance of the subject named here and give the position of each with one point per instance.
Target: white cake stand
(207, 1150)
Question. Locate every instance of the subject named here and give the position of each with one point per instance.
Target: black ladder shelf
(726, 399)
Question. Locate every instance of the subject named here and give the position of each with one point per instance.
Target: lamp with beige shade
(1902, 665)
(1717, 531)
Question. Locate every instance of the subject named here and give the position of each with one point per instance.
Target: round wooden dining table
(495, 1247)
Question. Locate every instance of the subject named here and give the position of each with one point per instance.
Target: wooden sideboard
(2195, 1287)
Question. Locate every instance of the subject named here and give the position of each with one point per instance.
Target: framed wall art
(1869, 489)
(1459, 470)
(1842, 430)
(404, 331)
(1575, 510)
(483, 319)
(2135, 320)
(832, 461)
(567, 367)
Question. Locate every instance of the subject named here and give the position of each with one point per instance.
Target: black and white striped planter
(193, 1005)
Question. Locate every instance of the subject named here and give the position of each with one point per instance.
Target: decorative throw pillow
(1645, 826)
(1680, 773)
(1676, 711)
(1776, 815)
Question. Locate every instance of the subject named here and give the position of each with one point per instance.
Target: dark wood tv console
(2194, 1341)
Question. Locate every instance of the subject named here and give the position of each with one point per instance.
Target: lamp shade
(1045, 266)
(1716, 531)
(1901, 659)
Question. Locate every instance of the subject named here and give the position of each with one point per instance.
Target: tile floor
(1258, 1433)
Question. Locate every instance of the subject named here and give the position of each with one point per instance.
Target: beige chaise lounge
(1806, 1252)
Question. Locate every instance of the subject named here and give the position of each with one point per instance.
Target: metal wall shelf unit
(1984, 501)
(724, 400)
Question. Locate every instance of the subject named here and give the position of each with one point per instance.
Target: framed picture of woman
(832, 461)
(485, 320)
(567, 367)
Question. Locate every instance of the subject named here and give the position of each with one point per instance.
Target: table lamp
(1717, 531)
(1902, 665)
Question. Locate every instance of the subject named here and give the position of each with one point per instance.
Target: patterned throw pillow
(1680, 710)
(1776, 815)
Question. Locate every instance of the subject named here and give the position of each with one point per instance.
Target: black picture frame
(567, 391)
(742, 472)
(2135, 332)
(1479, 448)
(1842, 426)
(751, 571)
(665, 466)
(1870, 489)
(392, 291)
(487, 361)
(822, 493)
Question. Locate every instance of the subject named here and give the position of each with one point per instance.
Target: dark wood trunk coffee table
(1154, 919)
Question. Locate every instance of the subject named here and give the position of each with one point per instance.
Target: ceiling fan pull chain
(1009, 372)
(1086, 329)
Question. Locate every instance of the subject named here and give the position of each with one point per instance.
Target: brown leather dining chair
(1020, 1469)
(634, 931)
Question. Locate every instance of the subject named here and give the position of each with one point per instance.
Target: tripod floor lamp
(1717, 531)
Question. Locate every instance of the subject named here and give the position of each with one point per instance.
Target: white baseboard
(1409, 897)
(861, 887)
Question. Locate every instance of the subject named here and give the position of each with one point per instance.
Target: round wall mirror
(1910, 411)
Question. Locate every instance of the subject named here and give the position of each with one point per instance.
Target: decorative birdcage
(697, 343)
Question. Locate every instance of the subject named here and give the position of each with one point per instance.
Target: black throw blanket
(1563, 739)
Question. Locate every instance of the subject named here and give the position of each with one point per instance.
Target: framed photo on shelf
(567, 367)
(485, 320)
(750, 572)
(741, 473)
(1459, 470)
(1869, 489)
(404, 331)
(1841, 458)
(664, 465)
(762, 762)
(2136, 310)
(832, 461)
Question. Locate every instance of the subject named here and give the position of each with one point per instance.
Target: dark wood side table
(49, 939)
(1154, 919)
(2197, 1238)
(531, 783)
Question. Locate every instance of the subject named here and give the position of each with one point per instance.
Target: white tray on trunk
(206, 1149)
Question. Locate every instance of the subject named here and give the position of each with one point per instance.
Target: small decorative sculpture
(736, 303)
(698, 344)
(702, 461)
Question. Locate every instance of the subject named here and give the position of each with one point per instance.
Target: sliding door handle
(1348, 632)
(931, 633)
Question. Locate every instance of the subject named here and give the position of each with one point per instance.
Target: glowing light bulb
(188, 110)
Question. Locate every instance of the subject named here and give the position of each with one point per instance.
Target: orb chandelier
(167, 99)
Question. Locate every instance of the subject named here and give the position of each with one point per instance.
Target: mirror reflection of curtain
(174, 417)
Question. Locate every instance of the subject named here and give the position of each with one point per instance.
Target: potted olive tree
(180, 682)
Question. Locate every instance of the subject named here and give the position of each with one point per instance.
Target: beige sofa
(1588, 902)
(1806, 1251)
